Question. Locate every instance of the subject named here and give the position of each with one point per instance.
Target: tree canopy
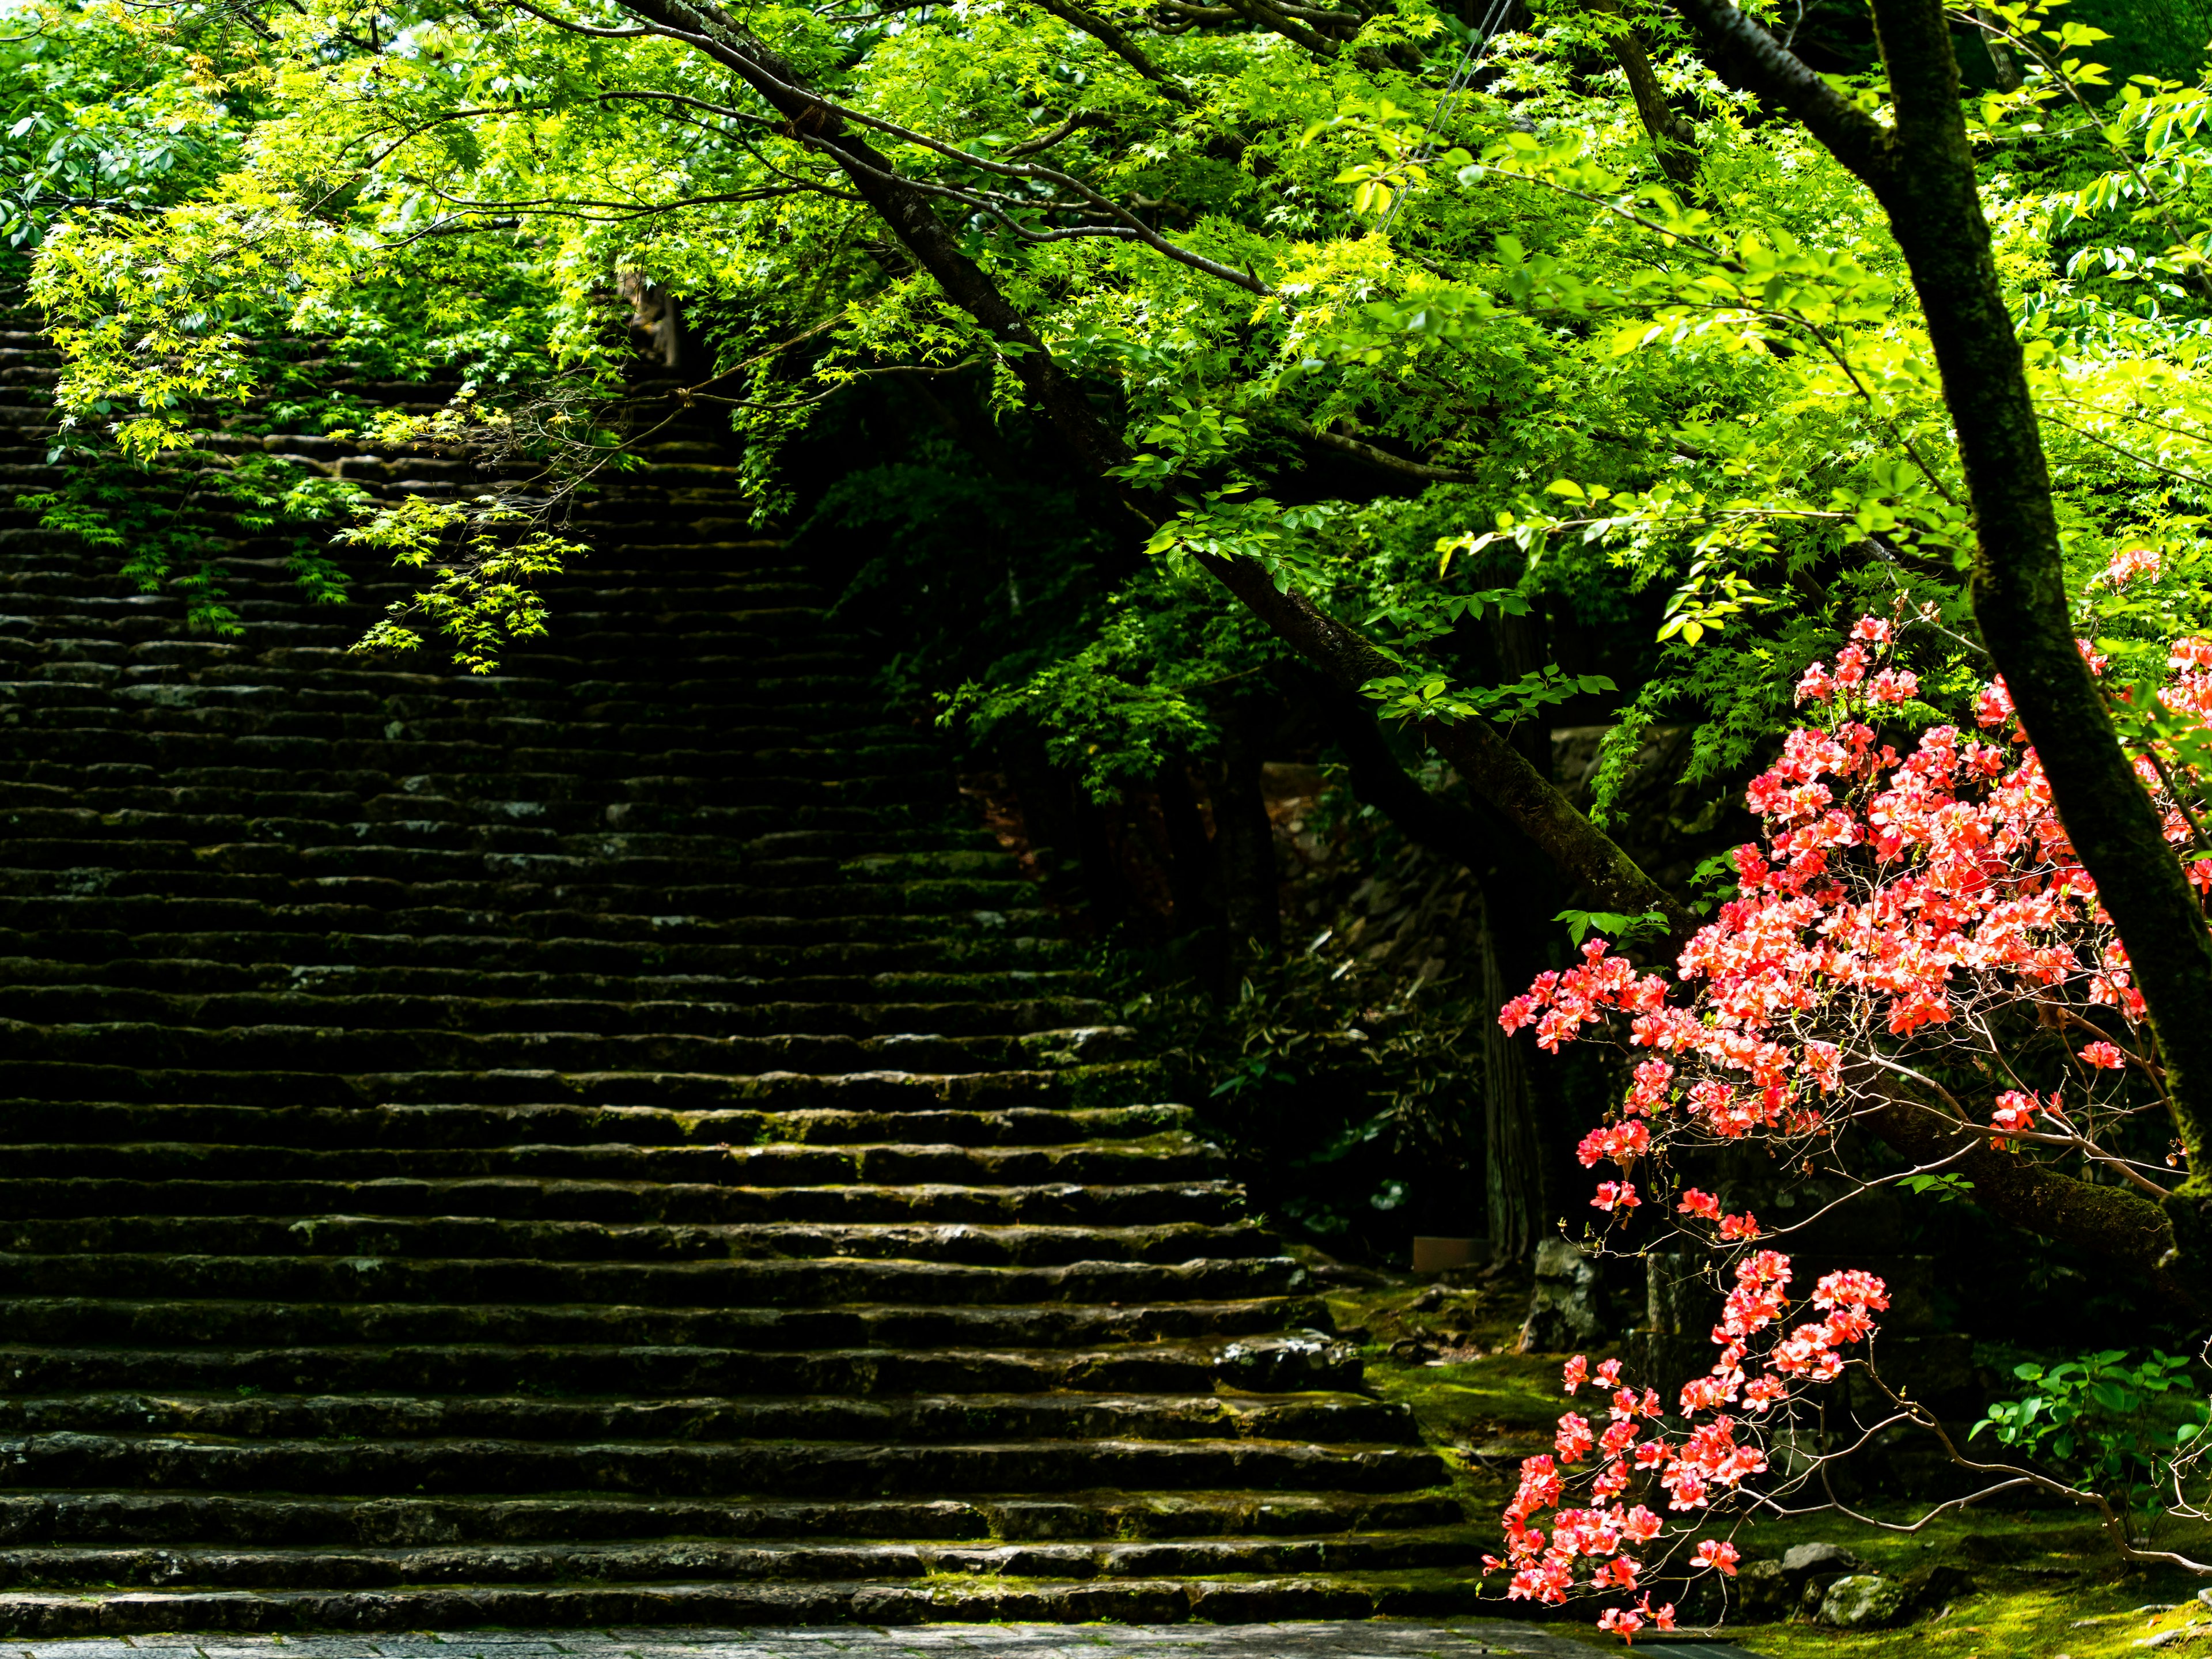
(1492, 369)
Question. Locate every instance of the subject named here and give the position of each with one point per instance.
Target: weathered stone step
(573, 1564)
(530, 898)
(740, 1283)
(1134, 1203)
(308, 1047)
(1243, 1600)
(133, 1517)
(77, 1321)
(791, 772)
(510, 787)
(200, 817)
(1168, 1157)
(310, 955)
(1296, 1362)
(177, 975)
(334, 1002)
(681, 1468)
(452, 1237)
(438, 934)
(712, 1419)
(95, 1123)
(1079, 1084)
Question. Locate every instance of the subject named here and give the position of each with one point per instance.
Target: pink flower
(1574, 1438)
(1715, 1552)
(1873, 630)
(1740, 1227)
(2104, 1056)
(1615, 1196)
(2015, 1113)
(1816, 685)
(2126, 565)
(1575, 1373)
(1851, 1288)
(1699, 1203)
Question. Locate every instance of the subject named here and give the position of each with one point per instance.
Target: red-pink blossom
(1716, 1552)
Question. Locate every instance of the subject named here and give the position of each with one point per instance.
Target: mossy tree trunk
(1921, 168)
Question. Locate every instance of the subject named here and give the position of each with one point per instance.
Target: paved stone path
(1347, 1639)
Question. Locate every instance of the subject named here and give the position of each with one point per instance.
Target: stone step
(827, 1468)
(1240, 1600)
(1168, 1156)
(182, 976)
(1135, 1203)
(733, 1283)
(452, 1237)
(567, 1565)
(1075, 1084)
(77, 1322)
(309, 954)
(111, 1518)
(100, 1123)
(436, 934)
(1297, 1362)
(333, 1001)
(326, 1049)
(1132, 1204)
(709, 1420)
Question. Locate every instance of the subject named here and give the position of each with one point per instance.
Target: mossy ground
(2045, 1582)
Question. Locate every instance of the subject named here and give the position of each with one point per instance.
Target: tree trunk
(1673, 140)
(1922, 170)
(1516, 904)
(1064, 827)
(1244, 839)
(2002, 63)
(1193, 885)
(1512, 1153)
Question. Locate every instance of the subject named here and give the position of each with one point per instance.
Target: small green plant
(2098, 1418)
(1947, 1188)
(1620, 929)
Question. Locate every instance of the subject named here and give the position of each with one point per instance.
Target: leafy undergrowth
(2038, 1583)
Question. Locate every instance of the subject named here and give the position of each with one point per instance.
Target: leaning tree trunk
(1512, 1150)
(1920, 166)
(1244, 839)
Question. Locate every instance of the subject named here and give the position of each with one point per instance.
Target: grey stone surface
(1863, 1601)
(1570, 1309)
(1320, 1639)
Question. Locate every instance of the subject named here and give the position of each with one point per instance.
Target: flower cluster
(1898, 905)
(1914, 910)
(1634, 1456)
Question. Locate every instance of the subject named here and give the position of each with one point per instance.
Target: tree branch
(1115, 41)
(1750, 58)
(1381, 459)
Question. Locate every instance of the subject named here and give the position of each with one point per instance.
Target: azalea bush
(1696, 1455)
(1912, 934)
(1915, 930)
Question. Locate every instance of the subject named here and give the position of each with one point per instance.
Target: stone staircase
(601, 1144)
